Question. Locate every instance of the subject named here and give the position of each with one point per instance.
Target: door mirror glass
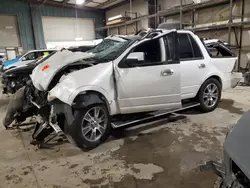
(24, 59)
(135, 58)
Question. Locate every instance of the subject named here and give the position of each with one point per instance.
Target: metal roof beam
(65, 2)
(59, 4)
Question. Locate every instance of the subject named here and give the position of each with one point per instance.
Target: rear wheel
(209, 95)
(221, 184)
(91, 126)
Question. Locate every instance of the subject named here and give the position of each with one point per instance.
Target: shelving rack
(192, 8)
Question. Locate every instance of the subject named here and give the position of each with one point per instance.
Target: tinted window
(30, 56)
(152, 51)
(189, 49)
(219, 50)
(169, 47)
(196, 48)
(152, 55)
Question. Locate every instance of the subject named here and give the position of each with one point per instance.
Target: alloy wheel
(94, 124)
(210, 95)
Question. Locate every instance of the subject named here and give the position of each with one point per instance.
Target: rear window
(189, 49)
(218, 49)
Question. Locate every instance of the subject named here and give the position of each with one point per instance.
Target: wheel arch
(217, 77)
(89, 97)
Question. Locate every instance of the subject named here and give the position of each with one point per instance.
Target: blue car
(25, 58)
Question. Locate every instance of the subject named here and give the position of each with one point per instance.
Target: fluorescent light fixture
(78, 38)
(9, 27)
(114, 17)
(79, 2)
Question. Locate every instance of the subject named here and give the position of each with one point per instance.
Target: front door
(154, 83)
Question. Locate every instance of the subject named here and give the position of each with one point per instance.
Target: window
(30, 56)
(189, 48)
(218, 50)
(152, 55)
(152, 51)
(172, 52)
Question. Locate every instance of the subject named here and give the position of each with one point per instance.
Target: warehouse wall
(215, 15)
(21, 9)
(139, 6)
(39, 11)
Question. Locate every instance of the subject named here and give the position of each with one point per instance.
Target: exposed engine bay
(29, 101)
(12, 83)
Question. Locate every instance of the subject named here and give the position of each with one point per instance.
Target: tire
(219, 183)
(80, 131)
(209, 100)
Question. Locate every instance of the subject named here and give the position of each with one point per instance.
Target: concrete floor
(164, 153)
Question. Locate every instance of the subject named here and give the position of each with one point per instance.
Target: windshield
(41, 59)
(112, 53)
(106, 43)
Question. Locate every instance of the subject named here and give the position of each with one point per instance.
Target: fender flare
(208, 77)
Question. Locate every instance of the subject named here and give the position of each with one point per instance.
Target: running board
(129, 119)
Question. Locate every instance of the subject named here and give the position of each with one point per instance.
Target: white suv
(156, 72)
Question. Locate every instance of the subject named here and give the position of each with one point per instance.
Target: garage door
(58, 29)
(9, 32)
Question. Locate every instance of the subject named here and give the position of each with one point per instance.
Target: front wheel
(91, 127)
(209, 95)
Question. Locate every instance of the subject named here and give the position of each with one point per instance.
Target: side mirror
(135, 58)
(24, 59)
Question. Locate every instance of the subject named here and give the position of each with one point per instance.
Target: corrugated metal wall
(21, 9)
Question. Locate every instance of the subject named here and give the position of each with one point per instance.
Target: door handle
(202, 66)
(167, 72)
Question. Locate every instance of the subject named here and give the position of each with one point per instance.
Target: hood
(20, 64)
(43, 74)
(26, 69)
(8, 63)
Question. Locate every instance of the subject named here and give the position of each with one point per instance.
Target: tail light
(235, 66)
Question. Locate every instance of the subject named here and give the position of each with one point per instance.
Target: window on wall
(189, 48)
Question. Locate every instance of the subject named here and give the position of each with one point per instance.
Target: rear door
(153, 84)
(193, 65)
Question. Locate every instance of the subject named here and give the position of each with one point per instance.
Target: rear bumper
(236, 77)
(231, 80)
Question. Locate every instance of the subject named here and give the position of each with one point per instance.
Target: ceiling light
(79, 2)
(9, 27)
(78, 38)
(114, 17)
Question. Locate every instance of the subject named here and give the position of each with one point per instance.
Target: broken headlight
(12, 84)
